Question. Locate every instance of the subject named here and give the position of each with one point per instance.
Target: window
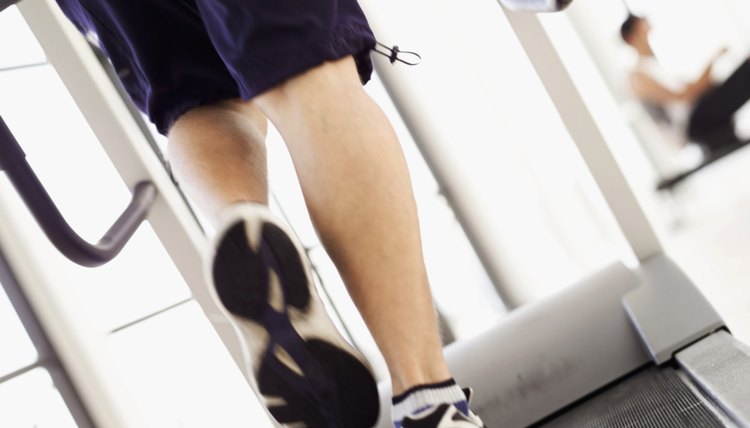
(13, 337)
(24, 51)
(34, 388)
(31, 400)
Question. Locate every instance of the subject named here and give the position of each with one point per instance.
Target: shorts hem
(345, 41)
(165, 121)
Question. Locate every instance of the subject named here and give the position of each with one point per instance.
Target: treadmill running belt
(653, 398)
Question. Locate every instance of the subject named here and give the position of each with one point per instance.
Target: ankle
(406, 381)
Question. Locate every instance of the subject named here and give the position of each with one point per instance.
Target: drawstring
(392, 53)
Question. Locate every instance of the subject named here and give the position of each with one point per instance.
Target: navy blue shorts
(174, 55)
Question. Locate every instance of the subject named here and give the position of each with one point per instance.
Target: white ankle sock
(422, 397)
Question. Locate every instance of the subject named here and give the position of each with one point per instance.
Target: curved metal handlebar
(13, 162)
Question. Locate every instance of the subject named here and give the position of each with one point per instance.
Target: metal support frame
(47, 356)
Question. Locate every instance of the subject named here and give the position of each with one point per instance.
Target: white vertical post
(426, 135)
(426, 138)
(586, 134)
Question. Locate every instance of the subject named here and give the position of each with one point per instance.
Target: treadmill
(622, 348)
(626, 347)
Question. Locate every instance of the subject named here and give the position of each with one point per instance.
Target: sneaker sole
(306, 372)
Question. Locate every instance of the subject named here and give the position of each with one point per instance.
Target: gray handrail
(13, 162)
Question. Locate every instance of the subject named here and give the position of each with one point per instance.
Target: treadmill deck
(652, 397)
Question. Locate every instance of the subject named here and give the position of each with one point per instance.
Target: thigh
(161, 51)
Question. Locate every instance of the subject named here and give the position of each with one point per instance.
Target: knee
(219, 117)
(331, 80)
(228, 126)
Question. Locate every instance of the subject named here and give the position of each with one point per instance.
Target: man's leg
(305, 372)
(218, 155)
(357, 188)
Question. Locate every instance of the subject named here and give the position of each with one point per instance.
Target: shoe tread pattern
(329, 387)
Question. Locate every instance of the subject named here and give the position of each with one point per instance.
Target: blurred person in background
(702, 109)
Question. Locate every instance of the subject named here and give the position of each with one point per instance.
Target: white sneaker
(444, 416)
(305, 371)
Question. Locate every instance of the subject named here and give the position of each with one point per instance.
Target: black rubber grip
(4, 4)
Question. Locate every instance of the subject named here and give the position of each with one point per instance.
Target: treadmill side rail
(667, 310)
(720, 365)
